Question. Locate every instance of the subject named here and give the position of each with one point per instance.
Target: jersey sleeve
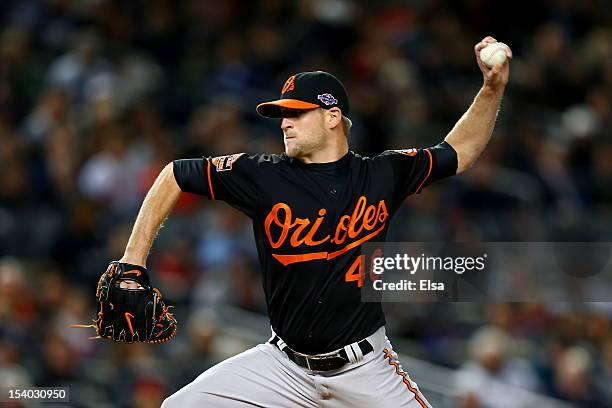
(231, 178)
(414, 169)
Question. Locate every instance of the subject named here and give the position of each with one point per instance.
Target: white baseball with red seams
(493, 54)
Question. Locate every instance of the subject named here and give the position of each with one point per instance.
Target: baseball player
(312, 208)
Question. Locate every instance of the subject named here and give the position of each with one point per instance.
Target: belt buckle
(304, 356)
(317, 357)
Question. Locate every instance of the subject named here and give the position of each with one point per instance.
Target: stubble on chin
(293, 151)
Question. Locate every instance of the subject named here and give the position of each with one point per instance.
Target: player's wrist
(133, 259)
(492, 89)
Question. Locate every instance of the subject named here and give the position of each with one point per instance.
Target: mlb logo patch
(327, 99)
(224, 163)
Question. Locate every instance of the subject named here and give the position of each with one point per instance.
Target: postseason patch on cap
(327, 99)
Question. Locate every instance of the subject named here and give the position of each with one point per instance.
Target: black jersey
(309, 222)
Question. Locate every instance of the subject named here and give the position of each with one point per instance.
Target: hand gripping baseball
(495, 77)
(132, 312)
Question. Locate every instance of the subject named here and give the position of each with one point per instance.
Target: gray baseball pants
(264, 376)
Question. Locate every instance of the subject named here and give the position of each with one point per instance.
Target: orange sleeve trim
(212, 193)
(405, 379)
(428, 171)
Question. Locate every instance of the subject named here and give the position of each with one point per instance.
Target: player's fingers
(480, 46)
(497, 73)
(129, 285)
(484, 42)
(491, 72)
(507, 49)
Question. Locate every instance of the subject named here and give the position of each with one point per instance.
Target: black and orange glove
(130, 315)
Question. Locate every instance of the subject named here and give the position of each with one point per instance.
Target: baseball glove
(130, 315)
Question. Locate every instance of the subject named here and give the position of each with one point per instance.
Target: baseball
(493, 54)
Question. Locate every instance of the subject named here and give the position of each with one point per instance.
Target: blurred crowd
(97, 96)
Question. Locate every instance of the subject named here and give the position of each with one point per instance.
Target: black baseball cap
(308, 90)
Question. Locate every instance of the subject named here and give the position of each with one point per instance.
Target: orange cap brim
(273, 109)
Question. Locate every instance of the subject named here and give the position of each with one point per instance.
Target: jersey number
(355, 271)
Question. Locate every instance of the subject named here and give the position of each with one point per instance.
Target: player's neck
(331, 154)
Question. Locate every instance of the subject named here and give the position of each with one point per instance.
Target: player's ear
(334, 117)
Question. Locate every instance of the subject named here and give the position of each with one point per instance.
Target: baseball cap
(308, 90)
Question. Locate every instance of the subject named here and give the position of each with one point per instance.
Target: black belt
(322, 363)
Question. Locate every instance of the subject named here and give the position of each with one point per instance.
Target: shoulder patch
(407, 152)
(224, 163)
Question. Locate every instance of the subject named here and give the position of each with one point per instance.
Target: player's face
(303, 131)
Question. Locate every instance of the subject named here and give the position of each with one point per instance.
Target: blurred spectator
(81, 67)
(572, 378)
(480, 381)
